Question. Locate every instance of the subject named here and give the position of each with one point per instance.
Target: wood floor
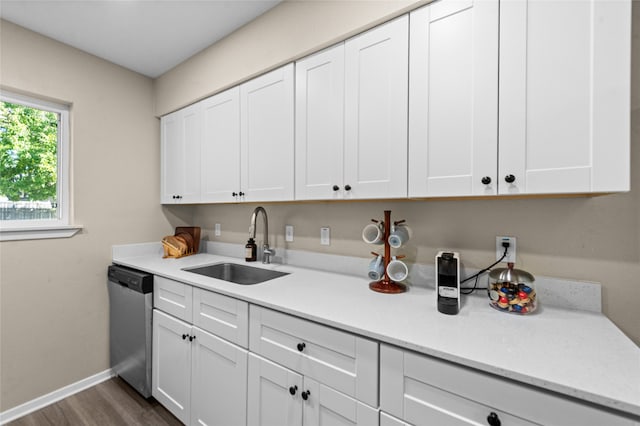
(110, 403)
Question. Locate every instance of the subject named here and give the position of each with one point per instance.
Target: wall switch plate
(511, 251)
(216, 230)
(288, 233)
(325, 236)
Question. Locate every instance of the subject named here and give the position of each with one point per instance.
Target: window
(34, 168)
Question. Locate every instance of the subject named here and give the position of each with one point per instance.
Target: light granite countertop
(576, 353)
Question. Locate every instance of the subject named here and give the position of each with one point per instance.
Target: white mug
(373, 233)
(376, 268)
(399, 236)
(397, 270)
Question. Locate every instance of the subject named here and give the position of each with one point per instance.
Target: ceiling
(146, 36)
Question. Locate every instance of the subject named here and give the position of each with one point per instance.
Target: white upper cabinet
(220, 162)
(180, 156)
(320, 126)
(453, 99)
(376, 92)
(564, 96)
(267, 136)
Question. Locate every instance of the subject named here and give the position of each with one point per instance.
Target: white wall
(53, 294)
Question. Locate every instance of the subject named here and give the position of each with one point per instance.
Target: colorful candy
(516, 298)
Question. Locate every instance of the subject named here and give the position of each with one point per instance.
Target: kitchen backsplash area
(571, 239)
(561, 293)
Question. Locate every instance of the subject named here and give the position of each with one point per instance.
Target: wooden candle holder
(386, 285)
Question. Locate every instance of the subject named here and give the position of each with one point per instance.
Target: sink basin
(235, 273)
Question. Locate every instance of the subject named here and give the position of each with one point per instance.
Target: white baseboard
(48, 399)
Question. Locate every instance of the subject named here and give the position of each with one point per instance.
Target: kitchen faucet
(266, 251)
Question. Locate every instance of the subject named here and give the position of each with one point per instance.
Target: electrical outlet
(288, 233)
(511, 251)
(325, 236)
(216, 230)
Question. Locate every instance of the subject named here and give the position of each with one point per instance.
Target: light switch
(216, 230)
(325, 236)
(288, 233)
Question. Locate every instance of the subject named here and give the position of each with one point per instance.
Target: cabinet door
(172, 157)
(320, 125)
(273, 394)
(218, 381)
(180, 152)
(387, 420)
(171, 363)
(192, 119)
(564, 96)
(376, 86)
(323, 406)
(453, 99)
(267, 135)
(220, 162)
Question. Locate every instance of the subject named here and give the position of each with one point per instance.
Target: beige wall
(53, 294)
(287, 32)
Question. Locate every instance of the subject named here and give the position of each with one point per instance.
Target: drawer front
(422, 390)
(173, 297)
(341, 360)
(223, 316)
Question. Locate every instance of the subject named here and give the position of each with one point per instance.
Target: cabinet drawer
(173, 297)
(221, 315)
(422, 390)
(341, 360)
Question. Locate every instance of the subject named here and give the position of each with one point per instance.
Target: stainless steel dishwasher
(130, 313)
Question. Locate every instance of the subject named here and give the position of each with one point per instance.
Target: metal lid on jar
(509, 274)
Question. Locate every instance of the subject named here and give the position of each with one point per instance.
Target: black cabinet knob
(305, 395)
(234, 194)
(301, 346)
(486, 180)
(241, 194)
(336, 187)
(184, 336)
(293, 390)
(347, 187)
(192, 338)
(509, 178)
(493, 419)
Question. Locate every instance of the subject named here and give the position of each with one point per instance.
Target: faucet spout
(266, 251)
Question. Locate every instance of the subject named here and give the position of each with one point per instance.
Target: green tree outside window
(28, 153)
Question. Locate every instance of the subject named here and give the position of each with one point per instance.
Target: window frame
(50, 228)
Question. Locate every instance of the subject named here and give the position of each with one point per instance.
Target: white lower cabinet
(344, 361)
(218, 381)
(387, 420)
(422, 390)
(199, 376)
(278, 396)
(171, 364)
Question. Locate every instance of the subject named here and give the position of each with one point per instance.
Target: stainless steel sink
(235, 273)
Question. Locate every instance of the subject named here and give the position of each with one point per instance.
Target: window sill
(39, 233)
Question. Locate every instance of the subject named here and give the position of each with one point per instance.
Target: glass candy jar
(512, 290)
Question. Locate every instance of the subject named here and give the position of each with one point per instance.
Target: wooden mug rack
(386, 284)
